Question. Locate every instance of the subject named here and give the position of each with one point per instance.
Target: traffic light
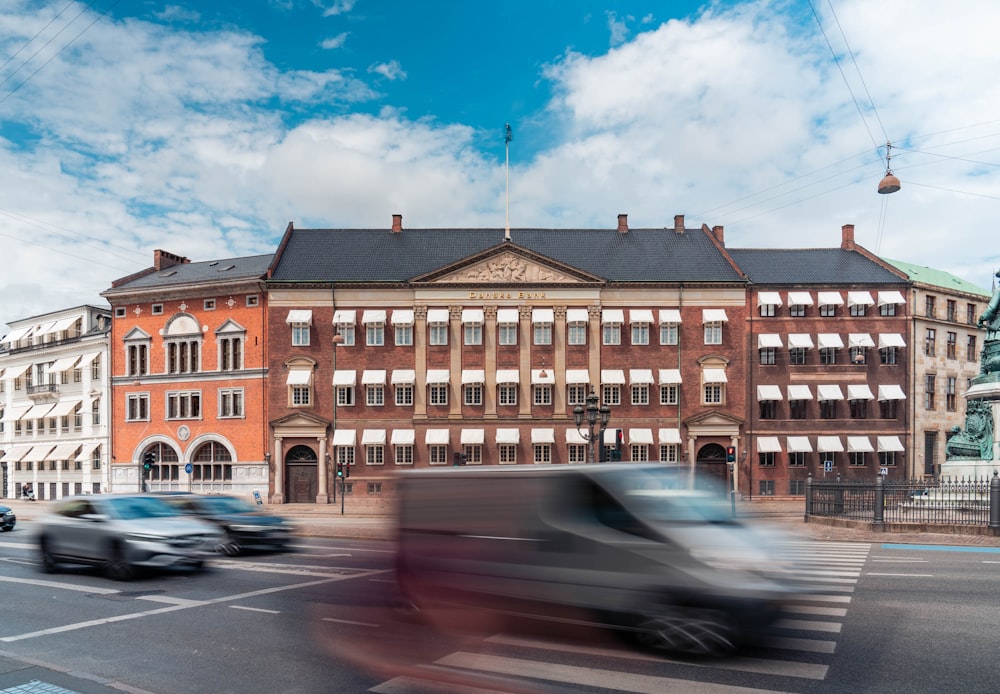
(730, 454)
(343, 470)
(619, 440)
(148, 460)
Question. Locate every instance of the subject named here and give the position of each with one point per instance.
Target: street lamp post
(594, 415)
(337, 340)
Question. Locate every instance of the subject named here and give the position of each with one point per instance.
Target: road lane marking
(806, 597)
(943, 548)
(349, 621)
(872, 573)
(166, 599)
(811, 609)
(807, 645)
(253, 609)
(59, 584)
(807, 625)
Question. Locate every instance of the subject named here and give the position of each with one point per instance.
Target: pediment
(506, 265)
(714, 419)
(299, 422)
(230, 326)
(137, 334)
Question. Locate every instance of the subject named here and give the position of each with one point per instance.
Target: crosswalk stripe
(807, 625)
(820, 598)
(807, 645)
(811, 609)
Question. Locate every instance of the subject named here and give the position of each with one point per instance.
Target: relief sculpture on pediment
(507, 268)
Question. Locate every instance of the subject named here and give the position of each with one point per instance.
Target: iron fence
(936, 502)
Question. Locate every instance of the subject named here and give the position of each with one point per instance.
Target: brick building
(481, 342)
(188, 376)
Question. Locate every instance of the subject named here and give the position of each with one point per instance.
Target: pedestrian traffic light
(148, 459)
(730, 454)
(619, 440)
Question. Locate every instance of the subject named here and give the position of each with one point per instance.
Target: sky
(204, 128)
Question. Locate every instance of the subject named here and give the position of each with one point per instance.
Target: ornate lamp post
(593, 415)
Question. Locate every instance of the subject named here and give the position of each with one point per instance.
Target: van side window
(609, 512)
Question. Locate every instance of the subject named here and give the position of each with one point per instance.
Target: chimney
(720, 234)
(397, 223)
(623, 223)
(847, 237)
(679, 223)
(163, 259)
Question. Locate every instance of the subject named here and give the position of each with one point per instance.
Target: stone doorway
(302, 475)
(713, 472)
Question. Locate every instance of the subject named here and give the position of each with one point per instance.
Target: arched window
(166, 467)
(212, 463)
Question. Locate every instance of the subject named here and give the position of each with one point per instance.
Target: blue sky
(203, 128)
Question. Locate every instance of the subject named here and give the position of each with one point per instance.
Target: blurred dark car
(122, 533)
(245, 526)
(8, 519)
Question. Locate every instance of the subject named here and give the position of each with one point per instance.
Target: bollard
(809, 496)
(995, 501)
(879, 503)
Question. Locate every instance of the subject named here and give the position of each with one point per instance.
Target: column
(455, 369)
(524, 362)
(279, 473)
(490, 345)
(322, 464)
(420, 362)
(594, 347)
(559, 363)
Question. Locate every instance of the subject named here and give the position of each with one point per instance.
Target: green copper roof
(937, 278)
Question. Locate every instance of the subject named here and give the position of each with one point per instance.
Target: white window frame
(472, 394)
(713, 332)
(437, 334)
(473, 333)
(437, 394)
(541, 333)
(403, 335)
(669, 453)
(542, 453)
(576, 394)
(403, 395)
(507, 453)
(611, 334)
(300, 334)
(542, 394)
(375, 334)
(507, 394)
(437, 454)
(669, 394)
(375, 395)
(640, 394)
(375, 454)
(231, 403)
(640, 333)
(669, 333)
(136, 409)
(345, 396)
(611, 394)
(507, 334)
(576, 334)
(182, 404)
(713, 394)
(346, 331)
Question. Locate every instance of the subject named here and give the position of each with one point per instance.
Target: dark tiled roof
(811, 266)
(378, 255)
(249, 267)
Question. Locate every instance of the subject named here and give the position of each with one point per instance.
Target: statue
(976, 442)
(990, 362)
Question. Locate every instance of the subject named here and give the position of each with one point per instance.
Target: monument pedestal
(985, 390)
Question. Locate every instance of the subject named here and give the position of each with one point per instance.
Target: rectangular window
(542, 333)
(473, 454)
(507, 334)
(404, 394)
(929, 340)
(859, 356)
(856, 459)
(767, 310)
(507, 394)
(156, 309)
(668, 394)
(209, 304)
(253, 300)
(859, 409)
(640, 394)
(640, 333)
(971, 353)
(375, 395)
(887, 355)
(887, 458)
(713, 333)
(230, 354)
(768, 409)
(950, 395)
(576, 453)
(767, 355)
(796, 487)
(576, 334)
(345, 396)
(375, 334)
(404, 454)
(183, 405)
(437, 455)
(403, 335)
(828, 409)
(119, 312)
(669, 452)
(970, 314)
(375, 455)
(438, 394)
(712, 393)
(230, 402)
(930, 306)
(858, 310)
(828, 310)
(929, 383)
(888, 409)
(301, 396)
(138, 360)
(797, 355)
(136, 407)
(766, 487)
(951, 310)
(797, 459)
(438, 333)
(473, 333)
(639, 453)
(611, 395)
(473, 394)
(766, 459)
(543, 453)
(346, 331)
(669, 333)
(951, 345)
(542, 395)
(95, 366)
(887, 310)
(930, 452)
(828, 355)
(797, 310)
(611, 333)
(576, 394)
(507, 454)
(300, 334)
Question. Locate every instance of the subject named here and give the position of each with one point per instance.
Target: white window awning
(508, 376)
(345, 377)
(402, 377)
(829, 444)
(612, 315)
(345, 317)
(889, 444)
(575, 437)
(64, 408)
(798, 444)
(860, 391)
(471, 376)
(86, 359)
(300, 317)
(437, 316)
(543, 436)
(435, 376)
(670, 376)
(373, 316)
(507, 316)
(542, 377)
(403, 437)
(766, 340)
(542, 315)
(609, 437)
(669, 436)
(891, 392)
(38, 453)
(799, 392)
(16, 334)
(402, 316)
(508, 436)
(768, 444)
(39, 411)
(714, 376)
(373, 377)
(373, 437)
(64, 364)
(344, 437)
(16, 371)
(472, 315)
(613, 377)
(14, 454)
(577, 376)
(829, 392)
(890, 340)
(800, 341)
(768, 299)
(436, 437)
(670, 315)
(890, 297)
(577, 315)
(472, 437)
(13, 414)
(800, 299)
(859, 444)
(860, 299)
(87, 452)
(830, 299)
(640, 315)
(768, 392)
(860, 340)
(640, 376)
(829, 341)
(640, 437)
(713, 315)
(300, 377)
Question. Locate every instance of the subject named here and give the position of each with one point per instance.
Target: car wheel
(231, 546)
(48, 561)
(691, 630)
(117, 565)
(7, 528)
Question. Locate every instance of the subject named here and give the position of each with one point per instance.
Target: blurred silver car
(123, 533)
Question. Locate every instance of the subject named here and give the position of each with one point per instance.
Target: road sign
(827, 466)
(188, 468)
(884, 471)
(256, 496)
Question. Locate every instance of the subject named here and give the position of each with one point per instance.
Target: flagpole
(507, 138)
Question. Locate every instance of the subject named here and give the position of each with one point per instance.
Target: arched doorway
(302, 474)
(712, 469)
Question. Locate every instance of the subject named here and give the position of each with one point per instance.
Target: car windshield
(662, 495)
(131, 507)
(226, 504)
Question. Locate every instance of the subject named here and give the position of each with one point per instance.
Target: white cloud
(339, 7)
(334, 42)
(391, 70)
